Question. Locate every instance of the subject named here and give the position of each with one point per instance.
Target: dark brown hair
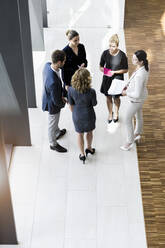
(142, 56)
(58, 55)
(71, 34)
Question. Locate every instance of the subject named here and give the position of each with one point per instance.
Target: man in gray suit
(53, 98)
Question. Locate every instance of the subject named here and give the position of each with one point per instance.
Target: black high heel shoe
(110, 120)
(89, 151)
(116, 119)
(83, 158)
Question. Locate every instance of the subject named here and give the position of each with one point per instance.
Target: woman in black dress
(116, 60)
(75, 57)
(82, 98)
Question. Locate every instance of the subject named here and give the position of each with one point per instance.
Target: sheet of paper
(117, 87)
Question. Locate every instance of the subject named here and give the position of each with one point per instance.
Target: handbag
(117, 87)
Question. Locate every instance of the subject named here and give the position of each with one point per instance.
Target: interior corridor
(57, 201)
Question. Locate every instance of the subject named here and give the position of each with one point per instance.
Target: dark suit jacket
(52, 91)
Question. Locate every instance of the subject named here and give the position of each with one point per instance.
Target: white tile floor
(57, 201)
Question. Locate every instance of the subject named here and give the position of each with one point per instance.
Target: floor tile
(81, 243)
(113, 227)
(81, 215)
(48, 233)
(82, 177)
(111, 188)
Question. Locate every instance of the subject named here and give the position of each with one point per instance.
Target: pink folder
(107, 72)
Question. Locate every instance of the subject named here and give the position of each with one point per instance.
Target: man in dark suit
(53, 98)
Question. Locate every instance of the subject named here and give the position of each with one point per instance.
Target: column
(12, 79)
(7, 226)
(36, 24)
(44, 13)
(27, 52)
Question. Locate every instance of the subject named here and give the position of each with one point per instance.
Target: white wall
(79, 14)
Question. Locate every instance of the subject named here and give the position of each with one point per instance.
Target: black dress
(117, 62)
(72, 62)
(83, 114)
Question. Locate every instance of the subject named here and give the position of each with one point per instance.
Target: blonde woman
(82, 98)
(116, 60)
(75, 56)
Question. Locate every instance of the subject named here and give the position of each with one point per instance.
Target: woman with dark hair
(82, 98)
(137, 93)
(75, 57)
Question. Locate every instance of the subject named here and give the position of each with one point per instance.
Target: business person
(116, 60)
(75, 57)
(53, 100)
(137, 93)
(82, 98)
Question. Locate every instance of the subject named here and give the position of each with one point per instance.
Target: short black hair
(58, 55)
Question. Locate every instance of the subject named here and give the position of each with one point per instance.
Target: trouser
(53, 129)
(133, 109)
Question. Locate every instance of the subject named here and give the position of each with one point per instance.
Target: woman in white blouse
(137, 93)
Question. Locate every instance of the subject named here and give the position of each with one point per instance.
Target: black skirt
(106, 84)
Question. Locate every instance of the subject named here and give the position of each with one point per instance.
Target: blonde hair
(114, 39)
(81, 80)
(71, 34)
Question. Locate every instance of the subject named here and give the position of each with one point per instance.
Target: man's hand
(64, 99)
(66, 87)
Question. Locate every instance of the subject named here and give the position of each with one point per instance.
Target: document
(117, 87)
(107, 72)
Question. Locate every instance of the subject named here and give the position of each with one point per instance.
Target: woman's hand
(112, 73)
(81, 66)
(71, 107)
(124, 93)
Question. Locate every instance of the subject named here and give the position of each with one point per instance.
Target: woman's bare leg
(109, 105)
(117, 106)
(89, 138)
(81, 143)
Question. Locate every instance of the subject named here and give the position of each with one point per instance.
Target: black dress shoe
(62, 132)
(58, 148)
